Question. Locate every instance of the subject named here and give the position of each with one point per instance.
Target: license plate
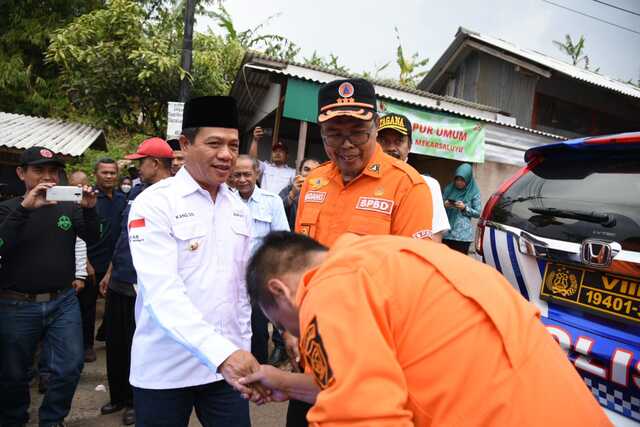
(611, 295)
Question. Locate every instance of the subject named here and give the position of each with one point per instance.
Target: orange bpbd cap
(152, 147)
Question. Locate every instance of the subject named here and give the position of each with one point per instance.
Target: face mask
(125, 188)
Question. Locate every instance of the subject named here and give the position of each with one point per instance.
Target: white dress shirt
(267, 212)
(440, 219)
(275, 178)
(81, 259)
(192, 308)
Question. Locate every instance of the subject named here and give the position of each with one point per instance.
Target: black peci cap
(346, 97)
(210, 111)
(39, 156)
(174, 144)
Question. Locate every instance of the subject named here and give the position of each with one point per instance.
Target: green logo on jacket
(64, 223)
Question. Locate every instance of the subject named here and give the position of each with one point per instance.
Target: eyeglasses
(356, 138)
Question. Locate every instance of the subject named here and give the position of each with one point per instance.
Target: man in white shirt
(267, 212)
(394, 136)
(190, 238)
(275, 175)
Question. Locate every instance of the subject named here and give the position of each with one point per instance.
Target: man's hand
(270, 378)
(258, 133)
(37, 197)
(77, 285)
(297, 185)
(89, 197)
(240, 364)
(293, 351)
(91, 272)
(104, 284)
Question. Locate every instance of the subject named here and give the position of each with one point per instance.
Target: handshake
(255, 382)
(264, 383)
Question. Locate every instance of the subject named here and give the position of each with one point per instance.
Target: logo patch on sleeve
(315, 196)
(375, 204)
(315, 356)
(422, 234)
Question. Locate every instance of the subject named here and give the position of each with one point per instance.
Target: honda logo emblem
(596, 253)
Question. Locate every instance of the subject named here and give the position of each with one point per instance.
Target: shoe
(100, 334)
(129, 417)
(278, 357)
(43, 384)
(90, 355)
(110, 408)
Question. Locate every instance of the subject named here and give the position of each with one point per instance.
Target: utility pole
(187, 46)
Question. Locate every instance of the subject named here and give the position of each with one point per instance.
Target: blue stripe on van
(542, 265)
(516, 267)
(494, 249)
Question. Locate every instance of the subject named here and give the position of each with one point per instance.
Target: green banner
(441, 135)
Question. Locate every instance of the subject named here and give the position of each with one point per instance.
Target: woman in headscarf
(462, 201)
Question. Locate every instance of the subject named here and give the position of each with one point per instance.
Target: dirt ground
(85, 410)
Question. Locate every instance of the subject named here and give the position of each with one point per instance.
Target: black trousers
(297, 413)
(458, 245)
(260, 336)
(88, 297)
(120, 324)
(216, 404)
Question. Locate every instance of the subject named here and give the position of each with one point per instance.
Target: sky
(361, 33)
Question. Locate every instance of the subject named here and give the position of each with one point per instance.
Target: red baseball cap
(152, 147)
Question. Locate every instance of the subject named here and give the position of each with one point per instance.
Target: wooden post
(302, 143)
(276, 126)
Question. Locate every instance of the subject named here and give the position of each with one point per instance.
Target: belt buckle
(46, 297)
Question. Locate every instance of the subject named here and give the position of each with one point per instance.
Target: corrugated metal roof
(256, 62)
(67, 138)
(547, 61)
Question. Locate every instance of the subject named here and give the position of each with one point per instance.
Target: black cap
(346, 97)
(397, 122)
(39, 156)
(174, 144)
(210, 111)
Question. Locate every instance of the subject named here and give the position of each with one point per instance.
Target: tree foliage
(121, 65)
(273, 45)
(575, 50)
(28, 84)
(410, 74)
(331, 63)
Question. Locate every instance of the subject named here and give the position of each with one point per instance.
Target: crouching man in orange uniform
(399, 332)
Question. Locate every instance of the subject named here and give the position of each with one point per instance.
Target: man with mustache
(190, 240)
(361, 189)
(267, 213)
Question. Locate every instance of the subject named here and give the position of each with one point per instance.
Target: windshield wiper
(606, 220)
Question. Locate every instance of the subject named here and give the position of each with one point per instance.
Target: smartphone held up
(64, 193)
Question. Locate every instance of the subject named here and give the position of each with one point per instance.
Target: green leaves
(575, 51)
(122, 63)
(409, 66)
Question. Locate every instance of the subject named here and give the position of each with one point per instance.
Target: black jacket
(37, 247)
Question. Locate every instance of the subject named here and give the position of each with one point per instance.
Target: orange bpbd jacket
(388, 197)
(401, 332)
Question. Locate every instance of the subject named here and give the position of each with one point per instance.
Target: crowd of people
(200, 248)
